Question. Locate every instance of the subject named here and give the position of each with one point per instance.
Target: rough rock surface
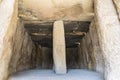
(14, 41)
(90, 53)
(109, 37)
(59, 50)
(8, 24)
(0, 1)
(98, 50)
(23, 50)
(73, 74)
(117, 6)
(56, 9)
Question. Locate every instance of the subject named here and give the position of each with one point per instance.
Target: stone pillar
(59, 50)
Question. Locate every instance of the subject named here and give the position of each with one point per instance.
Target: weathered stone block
(59, 51)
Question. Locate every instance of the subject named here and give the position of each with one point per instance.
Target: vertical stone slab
(108, 28)
(117, 6)
(8, 24)
(59, 51)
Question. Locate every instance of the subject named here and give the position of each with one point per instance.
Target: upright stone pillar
(59, 50)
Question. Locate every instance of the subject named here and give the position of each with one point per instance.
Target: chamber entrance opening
(41, 59)
(42, 36)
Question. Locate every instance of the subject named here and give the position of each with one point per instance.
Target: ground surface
(50, 75)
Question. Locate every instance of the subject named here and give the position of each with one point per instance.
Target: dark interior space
(42, 35)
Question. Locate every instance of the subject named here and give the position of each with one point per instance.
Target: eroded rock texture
(8, 24)
(90, 55)
(98, 50)
(56, 9)
(109, 37)
(117, 6)
(0, 1)
(59, 50)
(23, 50)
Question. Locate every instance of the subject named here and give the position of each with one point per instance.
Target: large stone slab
(117, 5)
(59, 52)
(77, 74)
(56, 9)
(108, 27)
(8, 24)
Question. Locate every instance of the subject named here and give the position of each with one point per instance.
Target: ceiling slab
(42, 32)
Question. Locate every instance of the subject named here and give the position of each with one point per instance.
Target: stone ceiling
(77, 10)
(41, 32)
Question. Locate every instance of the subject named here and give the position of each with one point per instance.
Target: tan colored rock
(98, 50)
(8, 20)
(0, 1)
(15, 44)
(59, 51)
(117, 5)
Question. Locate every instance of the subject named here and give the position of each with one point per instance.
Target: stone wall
(99, 49)
(117, 6)
(8, 20)
(96, 53)
(90, 52)
(108, 27)
(23, 50)
(44, 58)
(16, 47)
(72, 58)
(0, 1)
